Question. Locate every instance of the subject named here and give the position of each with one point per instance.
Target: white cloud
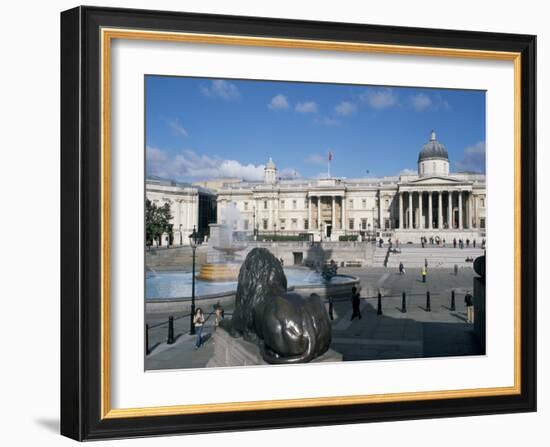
(190, 166)
(317, 159)
(474, 158)
(178, 128)
(408, 171)
(219, 88)
(345, 108)
(421, 102)
(307, 107)
(326, 121)
(278, 102)
(381, 98)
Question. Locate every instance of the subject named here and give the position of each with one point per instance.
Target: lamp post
(275, 229)
(194, 241)
(181, 237)
(254, 220)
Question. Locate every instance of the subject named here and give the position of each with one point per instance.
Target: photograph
(296, 222)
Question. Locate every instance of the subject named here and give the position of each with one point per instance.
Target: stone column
(401, 226)
(309, 205)
(449, 209)
(430, 217)
(470, 209)
(420, 217)
(318, 212)
(460, 210)
(333, 216)
(343, 212)
(440, 212)
(410, 210)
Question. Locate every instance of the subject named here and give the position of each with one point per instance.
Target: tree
(157, 220)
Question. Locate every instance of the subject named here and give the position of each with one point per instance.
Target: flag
(329, 155)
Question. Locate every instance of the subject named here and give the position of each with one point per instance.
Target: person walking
(426, 263)
(198, 321)
(454, 242)
(469, 301)
(456, 269)
(355, 303)
(219, 314)
(424, 273)
(401, 268)
(474, 243)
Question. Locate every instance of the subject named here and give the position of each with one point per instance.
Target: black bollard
(170, 339)
(147, 352)
(453, 304)
(404, 304)
(428, 305)
(379, 311)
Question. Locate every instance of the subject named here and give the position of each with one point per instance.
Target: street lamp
(194, 241)
(275, 228)
(254, 220)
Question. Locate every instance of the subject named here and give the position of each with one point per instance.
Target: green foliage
(157, 220)
(349, 238)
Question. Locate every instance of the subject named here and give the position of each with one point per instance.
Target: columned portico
(401, 226)
(430, 217)
(410, 224)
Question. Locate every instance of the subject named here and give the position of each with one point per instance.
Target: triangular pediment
(435, 180)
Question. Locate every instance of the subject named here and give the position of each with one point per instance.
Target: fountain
(217, 280)
(222, 264)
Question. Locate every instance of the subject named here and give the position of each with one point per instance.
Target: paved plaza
(392, 335)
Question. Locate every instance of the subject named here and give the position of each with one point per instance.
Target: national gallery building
(432, 203)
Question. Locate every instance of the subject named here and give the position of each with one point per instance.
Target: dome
(433, 149)
(270, 164)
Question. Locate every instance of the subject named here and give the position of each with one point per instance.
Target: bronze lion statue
(287, 327)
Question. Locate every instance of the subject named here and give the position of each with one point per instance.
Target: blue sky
(199, 128)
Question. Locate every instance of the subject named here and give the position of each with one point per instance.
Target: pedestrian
(219, 314)
(474, 243)
(426, 263)
(483, 244)
(331, 308)
(454, 242)
(355, 303)
(380, 242)
(401, 268)
(468, 243)
(397, 243)
(456, 269)
(424, 272)
(198, 321)
(469, 301)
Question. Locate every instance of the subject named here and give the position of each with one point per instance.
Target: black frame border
(81, 223)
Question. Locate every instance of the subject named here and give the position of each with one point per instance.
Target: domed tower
(433, 159)
(270, 172)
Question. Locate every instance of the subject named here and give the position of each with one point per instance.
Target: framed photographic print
(276, 223)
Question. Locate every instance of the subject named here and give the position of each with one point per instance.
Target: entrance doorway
(328, 230)
(298, 257)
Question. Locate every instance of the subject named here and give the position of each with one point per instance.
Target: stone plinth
(479, 312)
(230, 351)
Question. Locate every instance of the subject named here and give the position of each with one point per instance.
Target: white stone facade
(432, 203)
(184, 206)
